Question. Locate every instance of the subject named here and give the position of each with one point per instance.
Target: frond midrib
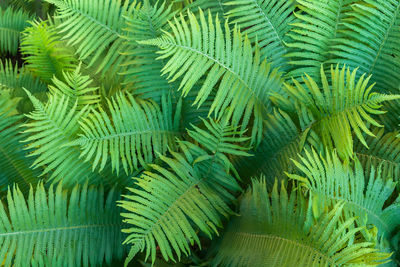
(55, 229)
(12, 162)
(139, 132)
(381, 159)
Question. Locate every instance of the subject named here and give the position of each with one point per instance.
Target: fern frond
(267, 23)
(44, 51)
(370, 42)
(132, 135)
(12, 23)
(244, 82)
(340, 108)
(51, 128)
(216, 7)
(14, 165)
(330, 181)
(77, 88)
(94, 27)
(277, 229)
(79, 228)
(191, 192)
(313, 35)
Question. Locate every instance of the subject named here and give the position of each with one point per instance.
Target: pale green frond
(267, 23)
(94, 27)
(132, 136)
(343, 106)
(50, 128)
(277, 229)
(188, 193)
(370, 41)
(44, 51)
(313, 35)
(201, 49)
(77, 87)
(79, 228)
(330, 181)
(12, 23)
(14, 165)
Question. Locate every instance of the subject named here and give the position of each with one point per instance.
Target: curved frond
(330, 181)
(189, 192)
(132, 136)
(202, 49)
(12, 23)
(77, 88)
(44, 51)
(344, 106)
(14, 165)
(78, 228)
(313, 35)
(278, 229)
(94, 27)
(370, 42)
(266, 22)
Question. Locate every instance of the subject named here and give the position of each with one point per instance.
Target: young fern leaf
(132, 135)
(330, 181)
(313, 35)
(44, 51)
(370, 42)
(192, 191)
(12, 23)
(77, 88)
(244, 82)
(14, 165)
(267, 23)
(51, 128)
(340, 108)
(277, 229)
(94, 27)
(79, 228)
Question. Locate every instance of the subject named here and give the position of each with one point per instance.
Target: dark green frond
(224, 60)
(94, 27)
(343, 106)
(44, 51)
(132, 136)
(12, 23)
(189, 192)
(77, 228)
(277, 229)
(318, 25)
(371, 41)
(14, 165)
(267, 23)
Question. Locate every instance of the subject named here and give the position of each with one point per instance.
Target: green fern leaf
(191, 192)
(80, 228)
(203, 50)
(340, 108)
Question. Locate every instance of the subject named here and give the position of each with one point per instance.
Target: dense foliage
(199, 133)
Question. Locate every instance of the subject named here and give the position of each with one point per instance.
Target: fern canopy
(77, 228)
